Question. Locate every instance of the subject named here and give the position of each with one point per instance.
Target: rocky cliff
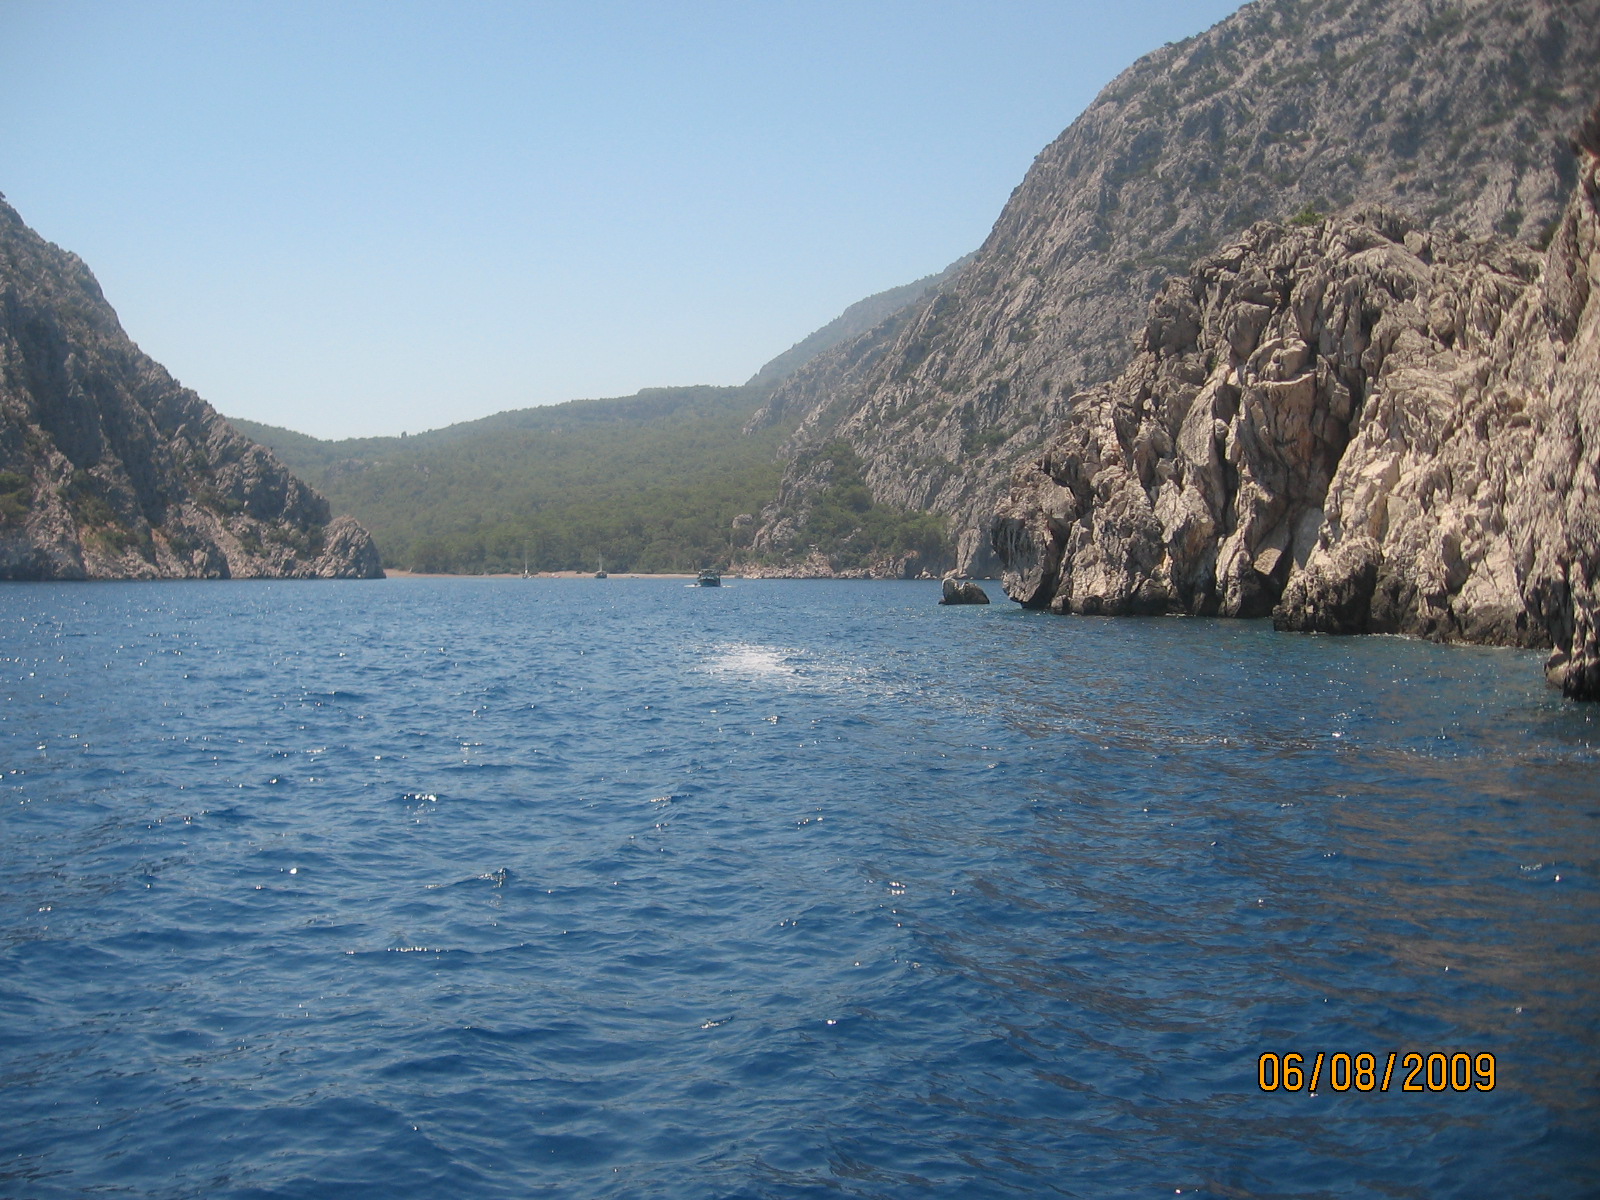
(1451, 109)
(1359, 425)
(109, 469)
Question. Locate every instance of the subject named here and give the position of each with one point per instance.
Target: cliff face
(111, 470)
(1359, 425)
(1468, 503)
(1451, 109)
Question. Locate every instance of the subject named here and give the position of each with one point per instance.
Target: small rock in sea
(963, 591)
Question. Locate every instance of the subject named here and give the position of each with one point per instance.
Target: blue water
(495, 888)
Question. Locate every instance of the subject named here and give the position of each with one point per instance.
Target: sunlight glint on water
(617, 888)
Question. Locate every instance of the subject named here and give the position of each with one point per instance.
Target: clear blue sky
(358, 218)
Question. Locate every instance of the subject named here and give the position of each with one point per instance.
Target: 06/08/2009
(1436, 1072)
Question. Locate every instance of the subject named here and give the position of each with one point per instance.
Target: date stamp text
(1408, 1072)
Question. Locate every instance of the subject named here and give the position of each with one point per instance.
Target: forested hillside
(651, 482)
(661, 481)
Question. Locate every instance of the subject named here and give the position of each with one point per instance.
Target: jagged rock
(1360, 426)
(348, 552)
(1450, 109)
(109, 469)
(963, 591)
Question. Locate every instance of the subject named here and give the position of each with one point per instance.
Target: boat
(708, 578)
(601, 573)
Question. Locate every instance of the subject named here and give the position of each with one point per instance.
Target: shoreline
(396, 573)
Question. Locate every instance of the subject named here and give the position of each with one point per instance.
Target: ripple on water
(499, 888)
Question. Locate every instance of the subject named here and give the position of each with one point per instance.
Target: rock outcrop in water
(109, 469)
(1359, 425)
(1451, 109)
(962, 591)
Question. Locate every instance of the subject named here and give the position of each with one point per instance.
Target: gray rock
(348, 552)
(963, 591)
(1359, 426)
(1451, 110)
(109, 469)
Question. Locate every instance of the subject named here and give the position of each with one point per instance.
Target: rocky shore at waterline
(1358, 425)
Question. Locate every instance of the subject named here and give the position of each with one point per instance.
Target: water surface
(503, 888)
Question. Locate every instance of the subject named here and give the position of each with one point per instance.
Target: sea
(583, 888)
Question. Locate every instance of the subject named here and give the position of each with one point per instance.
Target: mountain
(668, 479)
(109, 469)
(1452, 110)
(859, 318)
(1362, 426)
(652, 482)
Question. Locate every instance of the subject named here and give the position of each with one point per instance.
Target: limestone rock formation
(1452, 109)
(1467, 507)
(963, 591)
(109, 469)
(1361, 425)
